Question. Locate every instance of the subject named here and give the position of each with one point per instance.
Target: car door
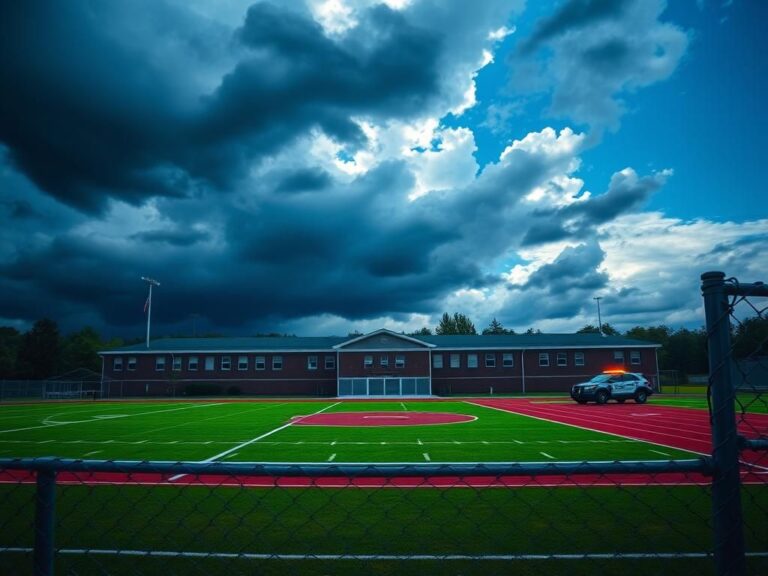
(624, 386)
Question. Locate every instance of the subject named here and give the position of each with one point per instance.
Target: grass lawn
(385, 530)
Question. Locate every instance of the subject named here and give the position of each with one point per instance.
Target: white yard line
(253, 440)
(403, 405)
(659, 452)
(51, 424)
(426, 457)
(332, 457)
(547, 455)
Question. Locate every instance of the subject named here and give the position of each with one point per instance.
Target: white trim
(388, 333)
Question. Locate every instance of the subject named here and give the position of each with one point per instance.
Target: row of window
(260, 362)
(508, 360)
(225, 363)
(384, 361)
(454, 360)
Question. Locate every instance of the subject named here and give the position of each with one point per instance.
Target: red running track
(681, 428)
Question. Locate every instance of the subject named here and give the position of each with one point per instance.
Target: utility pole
(599, 318)
(148, 305)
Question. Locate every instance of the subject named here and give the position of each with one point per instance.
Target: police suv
(613, 385)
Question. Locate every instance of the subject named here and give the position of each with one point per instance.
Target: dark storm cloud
(173, 237)
(95, 114)
(590, 53)
(573, 15)
(626, 193)
(574, 268)
(304, 180)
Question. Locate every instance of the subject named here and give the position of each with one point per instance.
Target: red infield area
(381, 419)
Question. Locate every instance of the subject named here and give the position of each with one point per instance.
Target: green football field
(144, 524)
(262, 431)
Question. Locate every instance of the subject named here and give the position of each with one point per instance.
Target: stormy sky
(323, 166)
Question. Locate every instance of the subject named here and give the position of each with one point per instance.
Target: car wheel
(601, 397)
(621, 400)
(641, 396)
(581, 401)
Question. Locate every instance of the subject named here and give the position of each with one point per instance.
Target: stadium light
(148, 304)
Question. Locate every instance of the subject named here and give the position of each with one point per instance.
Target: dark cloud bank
(115, 122)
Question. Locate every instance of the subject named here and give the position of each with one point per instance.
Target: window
(384, 361)
(455, 361)
(311, 362)
(618, 356)
(400, 361)
(226, 362)
(578, 358)
(177, 363)
(562, 359)
(634, 357)
(490, 360)
(260, 363)
(471, 360)
(192, 363)
(117, 364)
(330, 362)
(210, 363)
(508, 361)
(437, 360)
(132, 363)
(242, 362)
(543, 358)
(277, 362)
(159, 363)
(368, 362)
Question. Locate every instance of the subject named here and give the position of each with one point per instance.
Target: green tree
(751, 338)
(495, 327)
(80, 350)
(456, 324)
(422, 332)
(10, 342)
(608, 330)
(533, 330)
(40, 350)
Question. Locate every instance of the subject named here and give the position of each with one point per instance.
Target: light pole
(148, 305)
(599, 318)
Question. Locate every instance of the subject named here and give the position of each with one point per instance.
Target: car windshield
(602, 378)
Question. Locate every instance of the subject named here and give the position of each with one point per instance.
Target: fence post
(45, 521)
(726, 488)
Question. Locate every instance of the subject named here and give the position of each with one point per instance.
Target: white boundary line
(249, 442)
(392, 557)
(95, 419)
(587, 428)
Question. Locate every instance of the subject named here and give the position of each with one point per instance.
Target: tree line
(42, 352)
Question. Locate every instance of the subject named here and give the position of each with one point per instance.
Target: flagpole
(151, 283)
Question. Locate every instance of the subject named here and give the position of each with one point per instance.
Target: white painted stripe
(92, 453)
(383, 557)
(249, 442)
(426, 457)
(547, 455)
(51, 423)
(420, 443)
(403, 405)
(659, 452)
(586, 428)
(331, 457)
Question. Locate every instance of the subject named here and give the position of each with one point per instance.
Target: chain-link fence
(705, 515)
(738, 397)
(15, 390)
